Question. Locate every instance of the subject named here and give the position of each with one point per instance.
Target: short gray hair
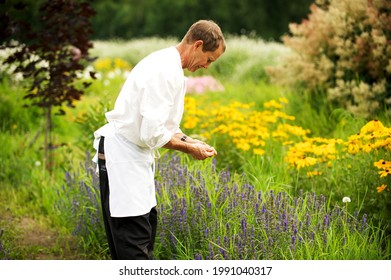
(207, 31)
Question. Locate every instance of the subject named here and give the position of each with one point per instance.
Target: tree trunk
(48, 139)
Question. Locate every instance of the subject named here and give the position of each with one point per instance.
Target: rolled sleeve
(153, 134)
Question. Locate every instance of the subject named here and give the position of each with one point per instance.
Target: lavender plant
(207, 214)
(80, 205)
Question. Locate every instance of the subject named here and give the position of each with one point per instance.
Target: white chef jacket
(147, 112)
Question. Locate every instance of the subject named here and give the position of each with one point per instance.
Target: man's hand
(196, 148)
(201, 151)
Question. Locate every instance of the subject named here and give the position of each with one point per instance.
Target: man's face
(198, 59)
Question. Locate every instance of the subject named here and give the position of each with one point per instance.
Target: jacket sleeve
(157, 102)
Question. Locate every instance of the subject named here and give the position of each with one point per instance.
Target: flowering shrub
(343, 48)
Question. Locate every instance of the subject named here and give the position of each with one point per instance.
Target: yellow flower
(283, 100)
(103, 64)
(272, 104)
(243, 145)
(367, 148)
(384, 173)
(305, 161)
(190, 122)
(121, 64)
(381, 188)
(372, 126)
(382, 164)
(314, 173)
(259, 152)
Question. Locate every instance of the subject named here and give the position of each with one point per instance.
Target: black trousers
(129, 238)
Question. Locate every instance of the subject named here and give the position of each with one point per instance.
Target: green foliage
(89, 122)
(131, 51)
(4, 251)
(19, 130)
(130, 19)
(342, 49)
(15, 117)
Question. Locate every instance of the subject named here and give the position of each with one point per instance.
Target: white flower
(346, 199)
(37, 163)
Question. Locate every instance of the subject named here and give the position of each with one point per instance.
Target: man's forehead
(217, 53)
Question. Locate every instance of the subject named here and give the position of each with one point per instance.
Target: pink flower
(203, 84)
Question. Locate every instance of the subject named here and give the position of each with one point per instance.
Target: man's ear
(198, 43)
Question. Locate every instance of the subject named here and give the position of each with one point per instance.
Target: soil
(33, 239)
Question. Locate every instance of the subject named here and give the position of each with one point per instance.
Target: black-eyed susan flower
(384, 172)
(382, 164)
(372, 126)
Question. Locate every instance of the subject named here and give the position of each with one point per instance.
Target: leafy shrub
(343, 48)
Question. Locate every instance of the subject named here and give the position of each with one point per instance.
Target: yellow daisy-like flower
(382, 164)
(384, 172)
(259, 152)
(305, 161)
(367, 148)
(381, 188)
(372, 126)
(272, 104)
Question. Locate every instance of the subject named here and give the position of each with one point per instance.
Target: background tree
(170, 18)
(50, 54)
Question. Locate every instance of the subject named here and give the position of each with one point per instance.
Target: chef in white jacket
(146, 117)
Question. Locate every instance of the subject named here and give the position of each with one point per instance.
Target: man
(146, 117)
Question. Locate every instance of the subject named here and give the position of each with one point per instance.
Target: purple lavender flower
(293, 240)
(197, 256)
(326, 221)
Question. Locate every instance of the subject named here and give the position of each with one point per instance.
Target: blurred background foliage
(128, 19)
